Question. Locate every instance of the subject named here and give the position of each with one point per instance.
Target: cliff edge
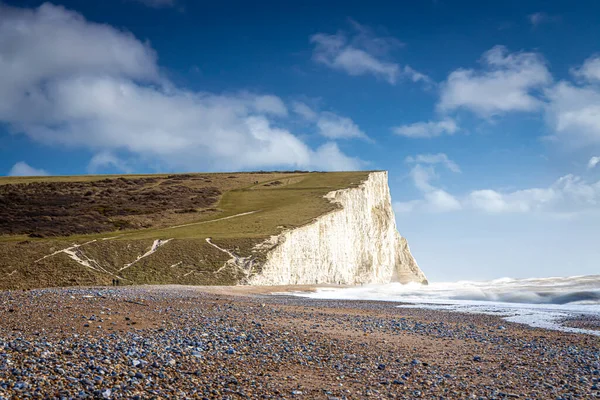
(260, 228)
(356, 243)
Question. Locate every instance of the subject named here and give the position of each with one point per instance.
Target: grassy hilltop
(109, 221)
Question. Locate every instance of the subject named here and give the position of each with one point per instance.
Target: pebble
(188, 344)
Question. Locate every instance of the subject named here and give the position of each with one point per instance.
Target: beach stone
(322, 341)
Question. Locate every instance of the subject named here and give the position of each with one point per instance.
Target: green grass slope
(117, 219)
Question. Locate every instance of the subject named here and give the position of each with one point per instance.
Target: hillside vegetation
(150, 229)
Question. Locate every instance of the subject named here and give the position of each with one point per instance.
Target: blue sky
(486, 114)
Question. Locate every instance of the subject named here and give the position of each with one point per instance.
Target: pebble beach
(178, 342)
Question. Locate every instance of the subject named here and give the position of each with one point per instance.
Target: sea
(537, 302)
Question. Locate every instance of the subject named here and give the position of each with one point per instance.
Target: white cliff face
(358, 243)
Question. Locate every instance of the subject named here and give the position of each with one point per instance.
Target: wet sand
(241, 342)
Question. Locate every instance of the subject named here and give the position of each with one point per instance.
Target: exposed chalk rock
(357, 243)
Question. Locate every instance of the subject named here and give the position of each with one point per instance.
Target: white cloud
(336, 53)
(268, 104)
(157, 3)
(331, 158)
(65, 81)
(362, 54)
(569, 195)
(573, 110)
(52, 41)
(573, 113)
(538, 18)
(328, 124)
(590, 70)
(434, 201)
(510, 82)
(439, 158)
(422, 174)
(441, 201)
(428, 129)
(417, 76)
(334, 126)
(406, 206)
(507, 82)
(493, 201)
(23, 169)
(593, 162)
(106, 159)
(304, 111)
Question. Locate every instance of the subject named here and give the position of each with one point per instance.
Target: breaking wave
(576, 289)
(540, 302)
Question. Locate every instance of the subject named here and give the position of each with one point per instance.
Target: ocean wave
(537, 302)
(556, 290)
(529, 297)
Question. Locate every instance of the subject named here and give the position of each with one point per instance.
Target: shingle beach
(219, 343)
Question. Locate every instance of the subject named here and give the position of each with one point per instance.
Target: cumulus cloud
(568, 196)
(439, 200)
(573, 113)
(439, 158)
(436, 201)
(69, 82)
(58, 42)
(334, 126)
(589, 71)
(336, 53)
(422, 174)
(333, 159)
(573, 109)
(305, 111)
(361, 54)
(417, 76)
(509, 82)
(328, 124)
(268, 105)
(23, 169)
(107, 159)
(430, 129)
(506, 82)
(515, 82)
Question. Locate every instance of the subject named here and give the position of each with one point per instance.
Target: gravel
(180, 342)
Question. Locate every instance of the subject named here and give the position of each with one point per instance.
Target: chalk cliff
(357, 243)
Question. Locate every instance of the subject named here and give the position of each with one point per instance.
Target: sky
(485, 113)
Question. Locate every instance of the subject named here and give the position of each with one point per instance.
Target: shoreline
(178, 342)
(577, 320)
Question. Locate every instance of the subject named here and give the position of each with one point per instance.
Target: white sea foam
(538, 302)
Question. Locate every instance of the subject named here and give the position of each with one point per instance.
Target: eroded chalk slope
(357, 243)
